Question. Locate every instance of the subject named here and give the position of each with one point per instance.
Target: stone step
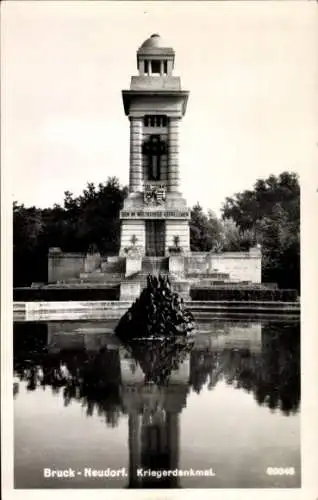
(219, 284)
(101, 277)
(211, 276)
(113, 267)
(155, 264)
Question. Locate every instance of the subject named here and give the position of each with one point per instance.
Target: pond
(222, 412)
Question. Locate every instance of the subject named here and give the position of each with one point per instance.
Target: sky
(251, 69)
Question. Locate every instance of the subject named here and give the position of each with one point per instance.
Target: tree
(280, 239)
(205, 230)
(27, 230)
(234, 239)
(94, 216)
(272, 213)
(248, 208)
(89, 219)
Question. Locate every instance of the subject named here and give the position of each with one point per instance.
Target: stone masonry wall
(242, 266)
(63, 266)
(197, 263)
(130, 228)
(180, 229)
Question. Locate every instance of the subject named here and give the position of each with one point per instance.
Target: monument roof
(155, 45)
(154, 41)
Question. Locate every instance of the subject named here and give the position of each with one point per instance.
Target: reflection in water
(272, 375)
(150, 382)
(154, 392)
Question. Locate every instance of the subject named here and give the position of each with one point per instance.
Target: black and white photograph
(154, 156)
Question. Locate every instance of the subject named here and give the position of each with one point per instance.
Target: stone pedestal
(133, 265)
(132, 230)
(129, 291)
(91, 262)
(176, 265)
(182, 288)
(255, 252)
(180, 229)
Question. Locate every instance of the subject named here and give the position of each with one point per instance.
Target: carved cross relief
(154, 149)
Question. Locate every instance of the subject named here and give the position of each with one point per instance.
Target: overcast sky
(251, 69)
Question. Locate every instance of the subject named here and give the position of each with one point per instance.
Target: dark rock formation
(157, 313)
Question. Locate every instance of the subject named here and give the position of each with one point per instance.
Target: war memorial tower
(155, 235)
(155, 216)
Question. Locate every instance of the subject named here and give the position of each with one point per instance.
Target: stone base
(238, 266)
(176, 265)
(60, 311)
(182, 288)
(132, 234)
(129, 291)
(177, 228)
(133, 265)
(173, 211)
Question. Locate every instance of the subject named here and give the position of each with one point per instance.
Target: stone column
(142, 67)
(135, 174)
(173, 148)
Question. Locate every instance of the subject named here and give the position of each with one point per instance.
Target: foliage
(248, 294)
(272, 213)
(29, 259)
(90, 220)
(234, 239)
(205, 230)
(93, 217)
(268, 214)
(250, 207)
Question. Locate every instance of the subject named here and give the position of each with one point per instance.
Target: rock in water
(158, 312)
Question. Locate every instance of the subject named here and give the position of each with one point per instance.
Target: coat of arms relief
(154, 195)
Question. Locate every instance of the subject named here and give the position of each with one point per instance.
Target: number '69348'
(280, 471)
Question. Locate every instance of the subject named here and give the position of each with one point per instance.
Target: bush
(243, 294)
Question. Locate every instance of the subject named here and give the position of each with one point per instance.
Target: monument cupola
(155, 58)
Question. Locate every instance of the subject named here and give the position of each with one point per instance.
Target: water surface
(228, 403)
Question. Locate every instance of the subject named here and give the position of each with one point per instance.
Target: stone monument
(155, 233)
(155, 214)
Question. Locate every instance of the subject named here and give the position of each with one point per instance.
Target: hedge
(243, 294)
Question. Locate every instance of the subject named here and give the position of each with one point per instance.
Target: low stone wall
(129, 291)
(242, 266)
(46, 311)
(182, 288)
(66, 265)
(62, 266)
(133, 265)
(176, 265)
(197, 263)
(92, 262)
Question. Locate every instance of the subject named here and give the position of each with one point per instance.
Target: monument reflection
(150, 383)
